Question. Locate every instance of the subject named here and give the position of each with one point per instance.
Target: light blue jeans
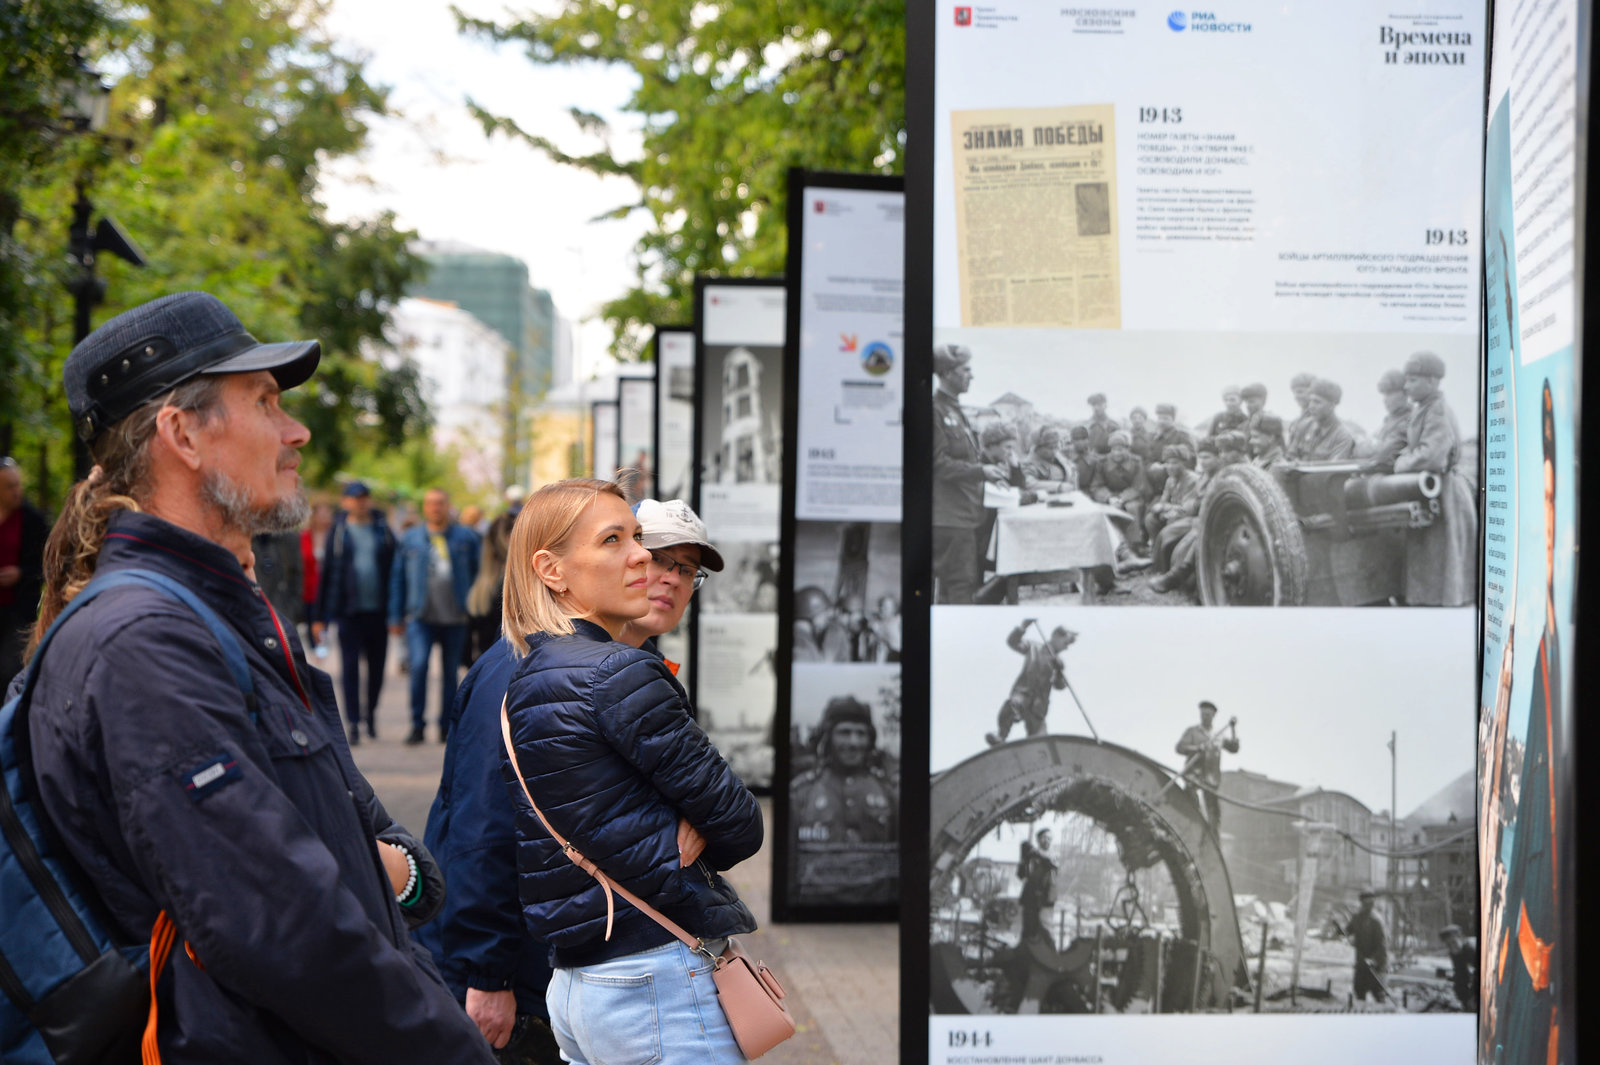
(657, 1006)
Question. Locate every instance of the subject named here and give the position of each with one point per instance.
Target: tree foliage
(222, 112)
(731, 95)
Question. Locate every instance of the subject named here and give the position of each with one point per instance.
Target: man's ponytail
(120, 480)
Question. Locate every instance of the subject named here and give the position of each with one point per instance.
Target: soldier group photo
(1141, 469)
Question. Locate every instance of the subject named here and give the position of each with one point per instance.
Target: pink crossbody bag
(751, 996)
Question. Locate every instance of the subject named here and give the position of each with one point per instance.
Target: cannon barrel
(1383, 489)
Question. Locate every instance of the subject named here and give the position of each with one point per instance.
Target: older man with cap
(478, 940)
(959, 471)
(1042, 671)
(1382, 450)
(235, 823)
(1100, 425)
(1442, 558)
(1322, 437)
(357, 561)
(1202, 768)
(1463, 972)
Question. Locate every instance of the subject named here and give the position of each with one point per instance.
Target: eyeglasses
(687, 573)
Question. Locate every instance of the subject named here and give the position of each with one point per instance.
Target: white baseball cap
(674, 522)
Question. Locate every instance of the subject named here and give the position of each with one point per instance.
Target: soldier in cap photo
(1300, 388)
(1232, 415)
(1390, 440)
(1232, 447)
(236, 823)
(1167, 433)
(1180, 495)
(1120, 482)
(1255, 404)
(1323, 437)
(846, 799)
(1365, 931)
(1100, 425)
(820, 633)
(958, 476)
(1042, 672)
(1463, 971)
(1202, 768)
(1084, 460)
(1142, 437)
(1266, 441)
(1441, 559)
(1048, 469)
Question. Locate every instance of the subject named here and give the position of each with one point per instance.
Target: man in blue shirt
(428, 602)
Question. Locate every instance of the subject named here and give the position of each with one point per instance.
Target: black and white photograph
(844, 789)
(847, 592)
(748, 583)
(742, 415)
(736, 689)
(1216, 469)
(1182, 818)
(674, 437)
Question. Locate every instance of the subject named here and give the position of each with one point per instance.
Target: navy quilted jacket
(611, 755)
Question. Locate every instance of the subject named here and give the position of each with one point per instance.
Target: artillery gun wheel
(1252, 552)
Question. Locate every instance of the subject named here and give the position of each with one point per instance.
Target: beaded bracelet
(412, 892)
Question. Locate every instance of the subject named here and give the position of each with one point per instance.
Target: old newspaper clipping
(1036, 217)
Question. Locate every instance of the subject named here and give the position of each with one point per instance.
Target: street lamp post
(88, 105)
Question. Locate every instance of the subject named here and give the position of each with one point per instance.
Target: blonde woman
(607, 747)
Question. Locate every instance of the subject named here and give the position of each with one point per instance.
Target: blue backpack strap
(232, 650)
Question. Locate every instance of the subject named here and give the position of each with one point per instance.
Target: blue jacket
(268, 868)
(336, 588)
(408, 584)
(478, 939)
(610, 753)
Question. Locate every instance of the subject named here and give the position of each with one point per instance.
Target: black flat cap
(149, 350)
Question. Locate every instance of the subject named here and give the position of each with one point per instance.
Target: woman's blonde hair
(545, 524)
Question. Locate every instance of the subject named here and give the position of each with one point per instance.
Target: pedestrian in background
(436, 565)
(357, 560)
(608, 748)
(22, 535)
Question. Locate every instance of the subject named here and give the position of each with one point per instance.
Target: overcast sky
(433, 166)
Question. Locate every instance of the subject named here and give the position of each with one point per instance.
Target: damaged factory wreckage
(1139, 912)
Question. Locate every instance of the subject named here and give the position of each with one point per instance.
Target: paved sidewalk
(842, 979)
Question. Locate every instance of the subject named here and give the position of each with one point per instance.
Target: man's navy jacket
(336, 591)
(257, 838)
(478, 939)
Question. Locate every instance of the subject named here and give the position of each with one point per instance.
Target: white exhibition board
(840, 855)
(738, 423)
(1160, 206)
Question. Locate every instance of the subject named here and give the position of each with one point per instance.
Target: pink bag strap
(606, 883)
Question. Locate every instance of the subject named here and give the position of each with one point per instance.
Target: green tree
(730, 96)
(220, 119)
(41, 42)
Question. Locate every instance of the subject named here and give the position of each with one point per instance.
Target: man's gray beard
(237, 506)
